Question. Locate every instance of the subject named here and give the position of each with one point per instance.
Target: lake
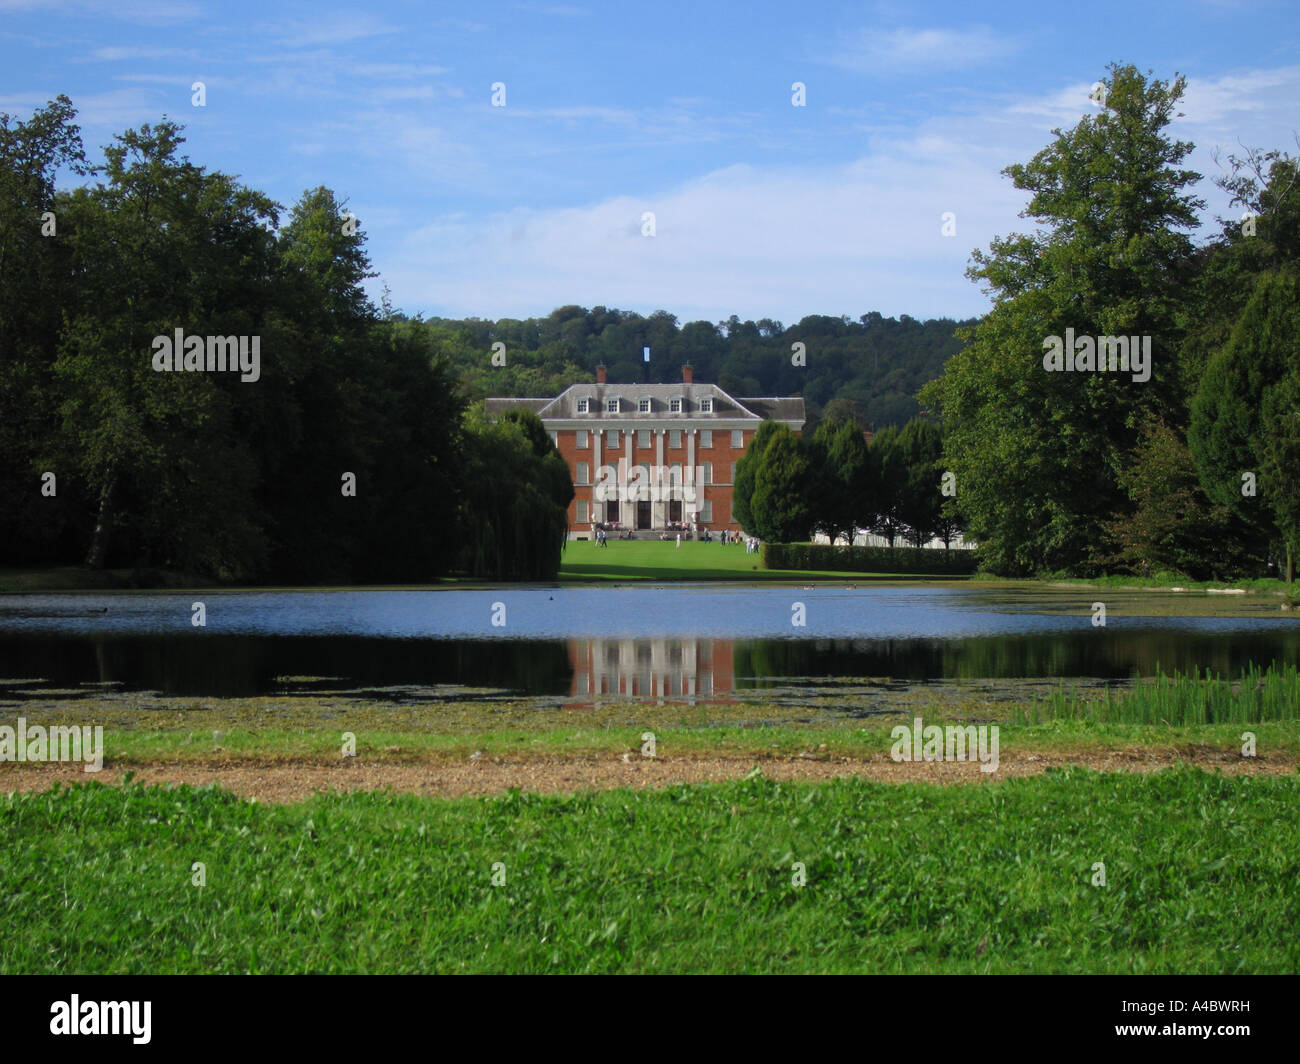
(686, 642)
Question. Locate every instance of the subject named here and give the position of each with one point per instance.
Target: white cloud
(877, 51)
(786, 242)
(780, 243)
(397, 70)
(331, 28)
(147, 12)
(121, 53)
(555, 10)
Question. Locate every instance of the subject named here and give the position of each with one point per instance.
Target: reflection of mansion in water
(656, 668)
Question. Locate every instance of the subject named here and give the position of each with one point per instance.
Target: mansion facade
(653, 457)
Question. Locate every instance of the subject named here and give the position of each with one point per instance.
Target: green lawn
(654, 560)
(1200, 874)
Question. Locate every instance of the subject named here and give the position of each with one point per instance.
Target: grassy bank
(630, 560)
(1172, 582)
(35, 580)
(908, 878)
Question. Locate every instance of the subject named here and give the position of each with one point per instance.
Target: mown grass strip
(1063, 736)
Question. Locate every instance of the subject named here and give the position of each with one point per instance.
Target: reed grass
(1255, 696)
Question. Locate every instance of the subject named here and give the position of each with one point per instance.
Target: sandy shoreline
(279, 780)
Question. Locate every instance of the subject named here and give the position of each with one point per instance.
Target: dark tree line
(346, 456)
(876, 363)
(836, 483)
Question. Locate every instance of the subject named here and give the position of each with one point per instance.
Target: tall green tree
(920, 504)
(890, 468)
(742, 491)
(1038, 454)
(1172, 526)
(841, 478)
(162, 245)
(1240, 425)
(36, 276)
(779, 506)
(516, 495)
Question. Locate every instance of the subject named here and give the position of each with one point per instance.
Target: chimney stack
(688, 374)
(600, 374)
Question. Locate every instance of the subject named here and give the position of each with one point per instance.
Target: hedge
(823, 556)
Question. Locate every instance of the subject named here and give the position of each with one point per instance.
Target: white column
(628, 509)
(660, 508)
(596, 438)
(688, 476)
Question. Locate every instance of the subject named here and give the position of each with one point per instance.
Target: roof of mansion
(724, 407)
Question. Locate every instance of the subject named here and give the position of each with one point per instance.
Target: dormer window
(584, 405)
(675, 405)
(643, 406)
(611, 406)
(706, 406)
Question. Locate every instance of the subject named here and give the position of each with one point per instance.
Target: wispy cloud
(880, 51)
(133, 53)
(554, 10)
(328, 28)
(396, 71)
(145, 12)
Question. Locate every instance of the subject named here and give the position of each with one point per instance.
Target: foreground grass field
(1200, 876)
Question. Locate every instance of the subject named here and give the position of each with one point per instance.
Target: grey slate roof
(777, 408)
(725, 407)
(500, 406)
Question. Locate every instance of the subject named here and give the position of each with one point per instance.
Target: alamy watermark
(102, 1017)
(1101, 354)
(211, 354)
(655, 483)
(57, 743)
(930, 742)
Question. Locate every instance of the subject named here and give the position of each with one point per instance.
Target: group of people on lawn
(600, 533)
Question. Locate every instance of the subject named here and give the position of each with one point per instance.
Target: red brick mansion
(653, 457)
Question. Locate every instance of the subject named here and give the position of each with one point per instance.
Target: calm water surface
(675, 641)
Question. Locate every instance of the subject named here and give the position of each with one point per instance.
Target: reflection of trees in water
(1106, 654)
(232, 666)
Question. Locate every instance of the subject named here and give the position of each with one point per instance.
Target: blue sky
(761, 208)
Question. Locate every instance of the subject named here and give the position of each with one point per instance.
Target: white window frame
(675, 439)
(706, 438)
(643, 405)
(737, 439)
(584, 405)
(706, 512)
(582, 473)
(612, 406)
(611, 437)
(643, 439)
(584, 517)
(675, 405)
(584, 440)
(708, 472)
(706, 405)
